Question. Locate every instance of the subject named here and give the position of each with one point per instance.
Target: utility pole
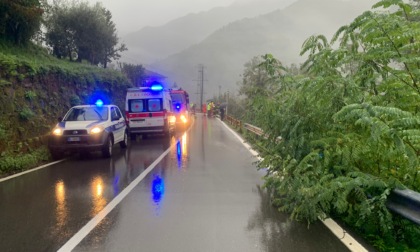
(201, 84)
(201, 67)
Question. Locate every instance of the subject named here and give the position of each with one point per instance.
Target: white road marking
(79, 236)
(344, 237)
(253, 152)
(351, 243)
(31, 170)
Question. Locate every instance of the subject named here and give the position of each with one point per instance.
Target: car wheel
(56, 155)
(84, 154)
(107, 148)
(124, 142)
(166, 133)
(133, 137)
(167, 130)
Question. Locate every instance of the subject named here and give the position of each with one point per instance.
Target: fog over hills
(151, 44)
(281, 33)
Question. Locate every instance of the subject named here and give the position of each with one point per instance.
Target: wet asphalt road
(204, 195)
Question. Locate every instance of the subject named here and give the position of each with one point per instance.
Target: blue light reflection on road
(158, 191)
(179, 154)
(115, 184)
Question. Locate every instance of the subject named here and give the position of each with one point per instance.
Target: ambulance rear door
(145, 111)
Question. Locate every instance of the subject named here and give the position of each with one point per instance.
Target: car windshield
(177, 98)
(87, 114)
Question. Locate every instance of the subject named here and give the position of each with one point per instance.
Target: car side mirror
(115, 118)
(60, 119)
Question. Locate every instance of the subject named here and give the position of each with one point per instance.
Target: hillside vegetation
(349, 124)
(36, 89)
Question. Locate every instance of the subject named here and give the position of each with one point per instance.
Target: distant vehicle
(149, 110)
(181, 106)
(89, 128)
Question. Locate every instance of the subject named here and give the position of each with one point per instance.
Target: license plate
(73, 139)
(138, 122)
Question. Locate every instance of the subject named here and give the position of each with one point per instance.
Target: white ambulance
(149, 110)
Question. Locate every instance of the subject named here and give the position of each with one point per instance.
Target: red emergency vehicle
(181, 107)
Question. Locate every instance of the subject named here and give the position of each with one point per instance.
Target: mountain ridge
(151, 44)
(281, 33)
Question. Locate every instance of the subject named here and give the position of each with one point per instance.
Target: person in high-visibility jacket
(209, 109)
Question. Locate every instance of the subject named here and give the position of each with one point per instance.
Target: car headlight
(57, 131)
(172, 119)
(183, 119)
(96, 130)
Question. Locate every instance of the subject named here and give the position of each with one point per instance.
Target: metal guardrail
(254, 129)
(403, 202)
(233, 121)
(259, 131)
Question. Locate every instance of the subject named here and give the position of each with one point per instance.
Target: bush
(12, 164)
(75, 100)
(30, 95)
(3, 133)
(26, 114)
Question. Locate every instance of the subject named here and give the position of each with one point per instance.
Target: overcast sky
(132, 15)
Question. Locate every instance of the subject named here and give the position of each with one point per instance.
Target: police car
(89, 128)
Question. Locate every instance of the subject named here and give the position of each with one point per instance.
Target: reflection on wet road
(98, 201)
(158, 191)
(42, 210)
(61, 205)
(204, 195)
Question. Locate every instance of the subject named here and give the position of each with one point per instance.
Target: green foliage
(20, 20)
(4, 83)
(55, 84)
(349, 123)
(26, 114)
(83, 32)
(34, 60)
(30, 95)
(3, 133)
(135, 73)
(75, 100)
(12, 164)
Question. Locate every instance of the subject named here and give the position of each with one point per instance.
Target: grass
(34, 83)
(20, 62)
(13, 164)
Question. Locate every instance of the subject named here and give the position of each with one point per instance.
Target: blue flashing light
(156, 87)
(99, 103)
(178, 106)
